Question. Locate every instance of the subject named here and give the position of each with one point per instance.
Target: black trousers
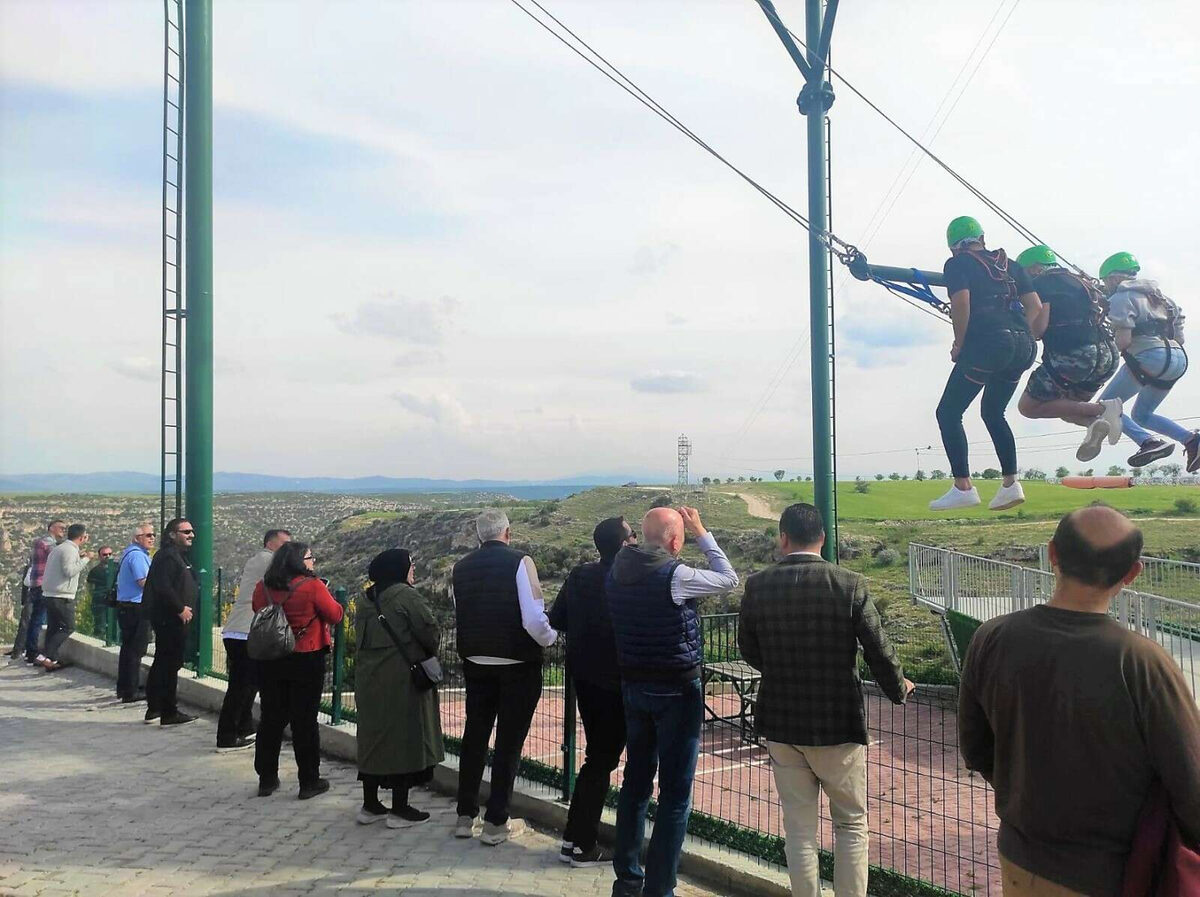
(60, 623)
(291, 695)
(960, 392)
(237, 710)
(503, 696)
(135, 636)
(163, 681)
(603, 715)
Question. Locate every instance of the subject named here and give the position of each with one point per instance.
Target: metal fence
(1161, 576)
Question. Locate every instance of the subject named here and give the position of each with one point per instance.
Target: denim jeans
(1137, 424)
(37, 619)
(662, 722)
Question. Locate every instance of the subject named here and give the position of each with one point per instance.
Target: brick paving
(95, 803)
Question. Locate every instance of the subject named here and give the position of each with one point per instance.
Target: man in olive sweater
(1072, 717)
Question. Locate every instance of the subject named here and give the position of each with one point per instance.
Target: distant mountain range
(131, 481)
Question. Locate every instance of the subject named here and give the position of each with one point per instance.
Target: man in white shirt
(502, 628)
(61, 581)
(235, 726)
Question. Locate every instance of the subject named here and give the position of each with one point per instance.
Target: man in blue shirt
(135, 628)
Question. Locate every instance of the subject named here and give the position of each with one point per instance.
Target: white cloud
(421, 321)
(440, 408)
(668, 382)
(137, 367)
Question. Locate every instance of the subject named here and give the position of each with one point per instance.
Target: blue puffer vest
(657, 639)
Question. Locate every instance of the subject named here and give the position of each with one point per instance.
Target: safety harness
(1089, 328)
(1003, 306)
(1159, 328)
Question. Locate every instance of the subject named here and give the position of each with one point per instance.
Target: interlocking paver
(95, 803)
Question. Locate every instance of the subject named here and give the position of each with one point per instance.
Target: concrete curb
(730, 873)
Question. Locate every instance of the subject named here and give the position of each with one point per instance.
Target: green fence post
(568, 742)
(339, 659)
(218, 611)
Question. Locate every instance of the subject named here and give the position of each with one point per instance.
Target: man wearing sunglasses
(172, 595)
(100, 580)
(134, 626)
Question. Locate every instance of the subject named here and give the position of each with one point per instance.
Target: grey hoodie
(1140, 300)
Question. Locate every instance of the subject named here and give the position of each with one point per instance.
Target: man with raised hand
(652, 602)
(235, 726)
(501, 630)
(1073, 718)
(60, 585)
(801, 624)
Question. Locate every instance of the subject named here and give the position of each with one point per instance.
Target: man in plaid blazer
(802, 621)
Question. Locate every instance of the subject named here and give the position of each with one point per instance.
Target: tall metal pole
(198, 260)
(815, 99)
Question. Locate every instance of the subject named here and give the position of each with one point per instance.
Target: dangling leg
(958, 394)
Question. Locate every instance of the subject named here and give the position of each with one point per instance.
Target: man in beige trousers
(801, 623)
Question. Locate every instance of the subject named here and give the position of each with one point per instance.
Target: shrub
(991, 473)
(894, 476)
(889, 557)
(1185, 505)
(919, 475)
(937, 475)
(1034, 474)
(879, 476)
(1061, 472)
(862, 487)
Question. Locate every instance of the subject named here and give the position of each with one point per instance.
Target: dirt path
(756, 506)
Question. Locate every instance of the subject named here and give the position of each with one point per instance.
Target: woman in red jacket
(291, 686)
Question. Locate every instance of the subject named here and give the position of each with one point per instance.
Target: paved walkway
(95, 803)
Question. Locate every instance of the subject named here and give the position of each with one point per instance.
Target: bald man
(652, 601)
(1071, 717)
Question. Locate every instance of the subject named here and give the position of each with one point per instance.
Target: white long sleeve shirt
(533, 613)
(688, 583)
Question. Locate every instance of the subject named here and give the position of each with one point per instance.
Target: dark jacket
(801, 623)
(487, 607)
(657, 639)
(581, 611)
(170, 584)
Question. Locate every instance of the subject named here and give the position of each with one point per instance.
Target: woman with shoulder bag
(399, 723)
(292, 685)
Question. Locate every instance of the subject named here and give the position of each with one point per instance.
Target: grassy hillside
(909, 500)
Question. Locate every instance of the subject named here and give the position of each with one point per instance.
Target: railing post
(339, 658)
(218, 612)
(568, 741)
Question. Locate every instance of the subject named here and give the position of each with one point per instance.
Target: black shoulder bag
(427, 673)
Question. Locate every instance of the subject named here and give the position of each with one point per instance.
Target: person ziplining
(1079, 353)
(997, 318)
(1148, 329)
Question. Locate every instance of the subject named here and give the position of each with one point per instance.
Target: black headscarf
(388, 568)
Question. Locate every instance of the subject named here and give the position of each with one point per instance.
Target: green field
(909, 499)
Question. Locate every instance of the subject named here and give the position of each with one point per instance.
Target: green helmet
(1037, 255)
(963, 228)
(1120, 261)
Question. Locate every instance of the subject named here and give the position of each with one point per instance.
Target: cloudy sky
(446, 247)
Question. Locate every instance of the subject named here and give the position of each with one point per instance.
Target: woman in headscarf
(399, 726)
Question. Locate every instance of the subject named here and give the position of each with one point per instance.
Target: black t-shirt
(967, 271)
(1071, 312)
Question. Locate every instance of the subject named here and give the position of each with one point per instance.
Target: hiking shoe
(177, 719)
(152, 716)
(240, 745)
(307, 792)
(466, 827)
(1112, 414)
(1152, 450)
(366, 817)
(564, 851)
(1008, 497)
(956, 498)
(267, 788)
(1097, 431)
(498, 834)
(1191, 451)
(585, 859)
(406, 817)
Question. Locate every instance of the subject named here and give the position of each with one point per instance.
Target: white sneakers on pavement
(498, 834)
(956, 498)
(1008, 497)
(466, 827)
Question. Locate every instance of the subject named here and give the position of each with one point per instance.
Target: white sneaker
(1008, 497)
(956, 498)
(1096, 431)
(466, 827)
(366, 817)
(498, 834)
(1112, 414)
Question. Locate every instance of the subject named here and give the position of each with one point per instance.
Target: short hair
(802, 524)
(173, 525)
(286, 565)
(274, 534)
(56, 522)
(75, 530)
(608, 536)
(137, 530)
(1083, 562)
(491, 524)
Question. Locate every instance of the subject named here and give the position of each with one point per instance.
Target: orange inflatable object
(1097, 482)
